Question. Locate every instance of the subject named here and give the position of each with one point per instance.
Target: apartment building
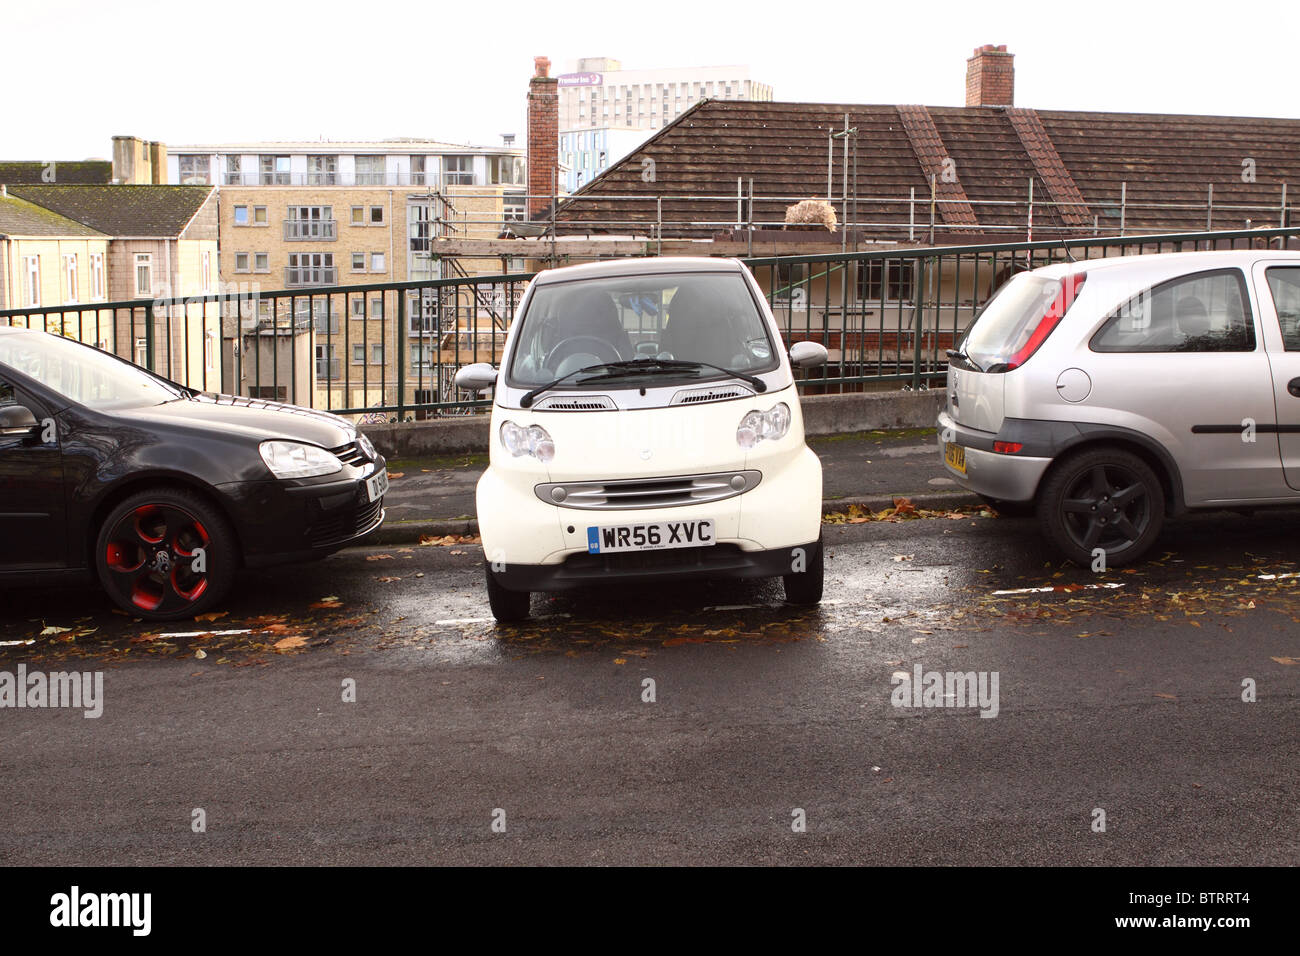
(588, 152)
(599, 93)
(304, 216)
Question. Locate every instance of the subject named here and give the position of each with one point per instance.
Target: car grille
(721, 393)
(347, 523)
(636, 493)
(719, 556)
(586, 403)
(349, 454)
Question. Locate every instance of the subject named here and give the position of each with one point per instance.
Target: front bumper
(279, 522)
(720, 561)
(990, 473)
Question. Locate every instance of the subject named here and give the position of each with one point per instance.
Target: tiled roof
(938, 166)
(1168, 159)
(140, 211)
(23, 219)
(85, 172)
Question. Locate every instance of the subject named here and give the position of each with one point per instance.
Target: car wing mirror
(17, 420)
(476, 377)
(809, 354)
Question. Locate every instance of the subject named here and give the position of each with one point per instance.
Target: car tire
(805, 587)
(507, 606)
(147, 557)
(1010, 509)
(1107, 498)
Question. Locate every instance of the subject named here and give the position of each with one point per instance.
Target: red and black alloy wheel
(165, 554)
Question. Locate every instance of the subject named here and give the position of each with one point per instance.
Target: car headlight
(533, 440)
(763, 426)
(367, 448)
(291, 459)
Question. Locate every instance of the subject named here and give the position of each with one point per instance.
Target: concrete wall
(823, 415)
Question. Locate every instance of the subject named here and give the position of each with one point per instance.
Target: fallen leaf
(52, 630)
(1289, 661)
(200, 654)
(387, 580)
(327, 603)
(1166, 696)
(620, 660)
(289, 643)
(211, 616)
(396, 474)
(379, 557)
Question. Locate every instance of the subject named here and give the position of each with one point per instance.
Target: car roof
(1217, 259)
(648, 266)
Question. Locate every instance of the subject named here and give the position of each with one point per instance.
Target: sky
(458, 71)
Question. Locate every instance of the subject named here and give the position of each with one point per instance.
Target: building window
(241, 262)
(310, 222)
(205, 271)
(358, 355)
(417, 170)
(376, 353)
(210, 350)
(421, 357)
(234, 170)
(514, 208)
(376, 215)
(358, 262)
(259, 216)
(310, 268)
(241, 215)
(377, 262)
(358, 307)
(261, 262)
(97, 275)
(887, 280)
(194, 170)
(32, 279)
(142, 353)
(371, 170)
(275, 170)
(458, 170)
(327, 366)
(358, 215)
(322, 170)
(70, 278)
(507, 170)
(143, 274)
(377, 307)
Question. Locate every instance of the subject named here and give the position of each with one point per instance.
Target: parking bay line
(1063, 588)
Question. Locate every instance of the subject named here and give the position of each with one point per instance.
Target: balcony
(303, 230)
(308, 276)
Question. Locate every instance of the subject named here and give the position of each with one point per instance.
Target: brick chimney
(991, 76)
(543, 138)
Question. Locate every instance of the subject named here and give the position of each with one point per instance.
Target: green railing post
(148, 336)
(400, 350)
(918, 322)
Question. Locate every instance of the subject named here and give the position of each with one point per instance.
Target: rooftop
(18, 217)
(139, 211)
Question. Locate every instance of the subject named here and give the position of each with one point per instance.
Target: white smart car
(646, 426)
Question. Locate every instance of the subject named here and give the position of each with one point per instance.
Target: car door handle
(1293, 387)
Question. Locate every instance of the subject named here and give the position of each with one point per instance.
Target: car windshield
(83, 374)
(708, 317)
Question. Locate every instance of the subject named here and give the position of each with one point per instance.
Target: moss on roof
(87, 171)
(143, 211)
(18, 217)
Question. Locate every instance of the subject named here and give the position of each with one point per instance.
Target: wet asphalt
(1124, 698)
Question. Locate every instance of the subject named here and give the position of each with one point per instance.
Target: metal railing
(886, 318)
(303, 229)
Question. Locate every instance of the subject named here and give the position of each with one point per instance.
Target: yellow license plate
(955, 457)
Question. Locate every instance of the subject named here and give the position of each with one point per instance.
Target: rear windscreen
(1009, 318)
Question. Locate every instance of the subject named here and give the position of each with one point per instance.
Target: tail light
(1007, 447)
(1051, 318)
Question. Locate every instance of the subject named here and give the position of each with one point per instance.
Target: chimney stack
(543, 138)
(991, 77)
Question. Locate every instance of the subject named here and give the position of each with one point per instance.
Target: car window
(694, 317)
(83, 374)
(7, 394)
(1205, 312)
(1284, 284)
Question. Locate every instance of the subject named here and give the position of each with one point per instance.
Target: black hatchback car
(160, 491)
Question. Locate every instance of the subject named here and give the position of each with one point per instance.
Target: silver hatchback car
(1108, 394)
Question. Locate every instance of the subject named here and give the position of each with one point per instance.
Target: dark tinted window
(1284, 283)
(1205, 312)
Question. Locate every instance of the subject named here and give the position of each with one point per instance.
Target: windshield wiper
(652, 364)
(959, 354)
(636, 366)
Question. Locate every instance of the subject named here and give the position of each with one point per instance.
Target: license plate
(656, 536)
(955, 457)
(377, 486)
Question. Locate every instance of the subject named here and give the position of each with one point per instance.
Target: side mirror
(17, 420)
(809, 354)
(476, 377)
